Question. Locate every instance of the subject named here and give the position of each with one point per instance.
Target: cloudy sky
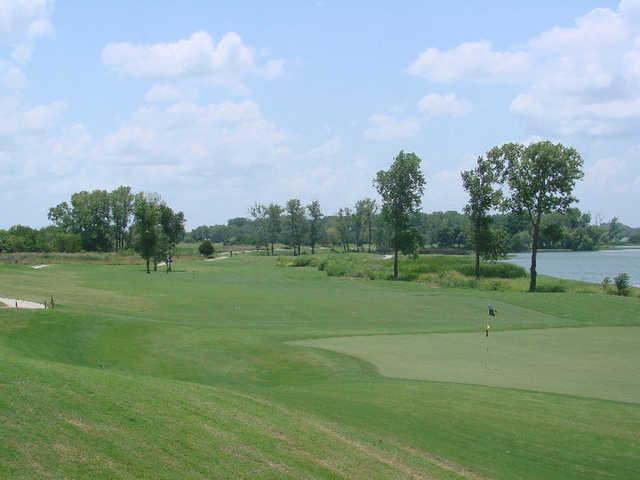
(216, 105)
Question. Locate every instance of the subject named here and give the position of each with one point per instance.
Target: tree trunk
(272, 249)
(533, 274)
(369, 237)
(148, 269)
(155, 264)
(313, 248)
(477, 264)
(396, 272)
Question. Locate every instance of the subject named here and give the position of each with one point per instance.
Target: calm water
(586, 266)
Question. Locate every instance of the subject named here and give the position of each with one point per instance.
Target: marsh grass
(444, 271)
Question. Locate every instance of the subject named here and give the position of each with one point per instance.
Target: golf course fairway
(208, 372)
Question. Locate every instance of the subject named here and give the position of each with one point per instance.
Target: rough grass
(191, 375)
(450, 271)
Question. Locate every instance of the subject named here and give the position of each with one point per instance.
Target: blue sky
(216, 105)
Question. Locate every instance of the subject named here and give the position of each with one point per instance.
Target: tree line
(531, 184)
(103, 221)
(520, 198)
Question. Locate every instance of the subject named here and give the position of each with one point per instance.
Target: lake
(585, 266)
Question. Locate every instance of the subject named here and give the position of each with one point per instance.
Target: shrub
(494, 270)
(622, 283)
(304, 261)
(206, 248)
(550, 288)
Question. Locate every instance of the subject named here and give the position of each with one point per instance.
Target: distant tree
(401, 188)
(344, 227)
(206, 248)
(295, 213)
(541, 178)
(121, 207)
(615, 230)
(171, 232)
(91, 214)
(634, 238)
(497, 244)
(480, 184)
(260, 213)
(146, 226)
(315, 224)
(366, 209)
(62, 217)
(358, 225)
(274, 224)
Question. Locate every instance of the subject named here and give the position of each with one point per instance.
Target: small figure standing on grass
(169, 262)
(52, 303)
(486, 330)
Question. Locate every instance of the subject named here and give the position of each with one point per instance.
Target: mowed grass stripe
(596, 362)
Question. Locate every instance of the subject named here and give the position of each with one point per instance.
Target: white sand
(162, 264)
(11, 303)
(387, 257)
(214, 259)
(38, 267)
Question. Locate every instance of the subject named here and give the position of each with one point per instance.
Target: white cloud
(160, 93)
(21, 22)
(390, 127)
(475, 61)
(17, 118)
(632, 63)
(328, 149)
(199, 57)
(599, 29)
(201, 139)
(434, 105)
(25, 18)
(577, 80)
(11, 76)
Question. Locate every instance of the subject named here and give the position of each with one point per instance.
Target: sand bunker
(214, 259)
(387, 257)
(15, 303)
(38, 267)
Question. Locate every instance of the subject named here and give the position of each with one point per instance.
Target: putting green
(598, 362)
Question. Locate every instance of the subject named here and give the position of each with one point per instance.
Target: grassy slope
(189, 375)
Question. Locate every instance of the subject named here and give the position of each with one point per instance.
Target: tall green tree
(146, 226)
(344, 227)
(401, 188)
(366, 210)
(315, 224)
(91, 213)
(480, 183)
(370, 209)
(295, 213)
(615, 232)
(541, 178)
(171, 232)
(62, 217)
(121, 205)
(274, 224)
(260, 214)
